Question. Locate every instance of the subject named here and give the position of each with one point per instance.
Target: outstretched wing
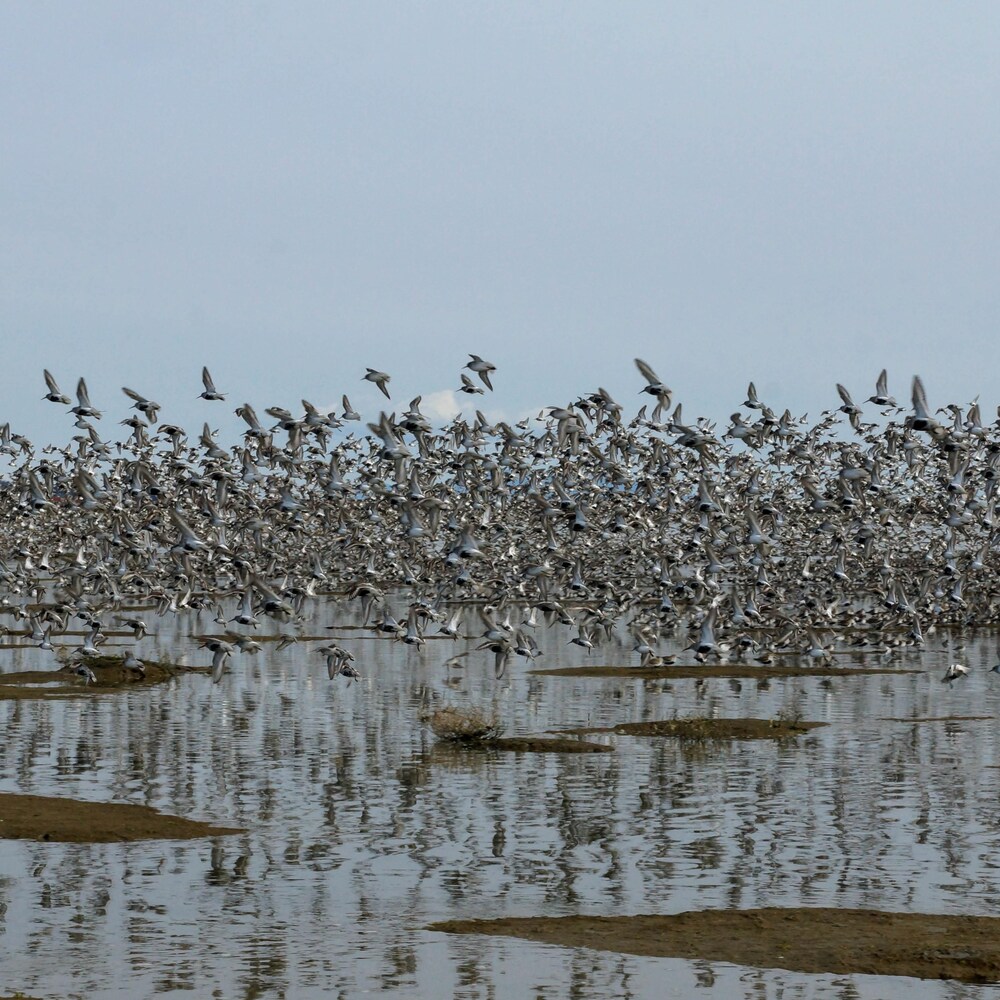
(82, 394)
(920, 397)
(647, 373)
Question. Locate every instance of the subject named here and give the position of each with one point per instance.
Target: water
(361, 829)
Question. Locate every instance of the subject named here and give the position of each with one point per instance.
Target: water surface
(361, 829)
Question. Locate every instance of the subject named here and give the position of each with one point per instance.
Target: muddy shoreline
(110, 676)
(701, 728)
(72, 821)
(808, 939)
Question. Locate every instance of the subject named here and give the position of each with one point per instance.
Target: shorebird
(954, 671)
(84, 408)
(380, 379)
(881, 396)
(210, 392)
(147, 407)
(654, 387)
(482, 369)
(468, 386)
(55, 394)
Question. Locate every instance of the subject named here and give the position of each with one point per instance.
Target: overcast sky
(798, 194)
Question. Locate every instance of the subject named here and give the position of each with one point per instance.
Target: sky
(797, 194)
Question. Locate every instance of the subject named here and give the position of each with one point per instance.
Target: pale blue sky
(288, 192)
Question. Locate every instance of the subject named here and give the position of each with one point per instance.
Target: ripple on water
(361, 829)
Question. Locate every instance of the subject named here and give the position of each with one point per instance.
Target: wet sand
(737, 670)
(71, 821)
(701, 728)
(815, 940)
(110, 673)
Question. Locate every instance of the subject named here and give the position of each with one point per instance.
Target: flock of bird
(863, 530)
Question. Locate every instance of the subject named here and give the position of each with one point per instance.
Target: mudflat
(800, 939)
(71, 821)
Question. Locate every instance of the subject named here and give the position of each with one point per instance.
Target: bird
(482, 369)
(921, 420)
(380, 379)
(130, 663)
(654, 387)
(349, 413)
(221, 652)
(55, 394)
(145, 406)
(468, 386)
(954, 671)
(210, 392)
(84, 407)
(881, 396)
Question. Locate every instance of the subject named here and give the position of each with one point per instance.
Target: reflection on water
(360, 830)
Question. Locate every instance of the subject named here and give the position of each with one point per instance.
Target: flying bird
(210, 391)
(84, 407)
(380, 379)
(882, 397)
(482, 369)
(145, 406)
(55, 394)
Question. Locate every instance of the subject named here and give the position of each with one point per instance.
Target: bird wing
(246, 411)
(132, 394)
(845, 395)
(206, 379)
(882, 385)
(920, 397)
(647, 373)
(81, 393)
(51, 382)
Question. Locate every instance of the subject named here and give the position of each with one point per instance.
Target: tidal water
(361, 828)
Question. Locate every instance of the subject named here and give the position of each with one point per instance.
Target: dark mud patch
(815, 940)
(710, 729)
(71, 821)
(109, 672)
(738, 670)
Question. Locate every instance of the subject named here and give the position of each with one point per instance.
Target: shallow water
(361, 829)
